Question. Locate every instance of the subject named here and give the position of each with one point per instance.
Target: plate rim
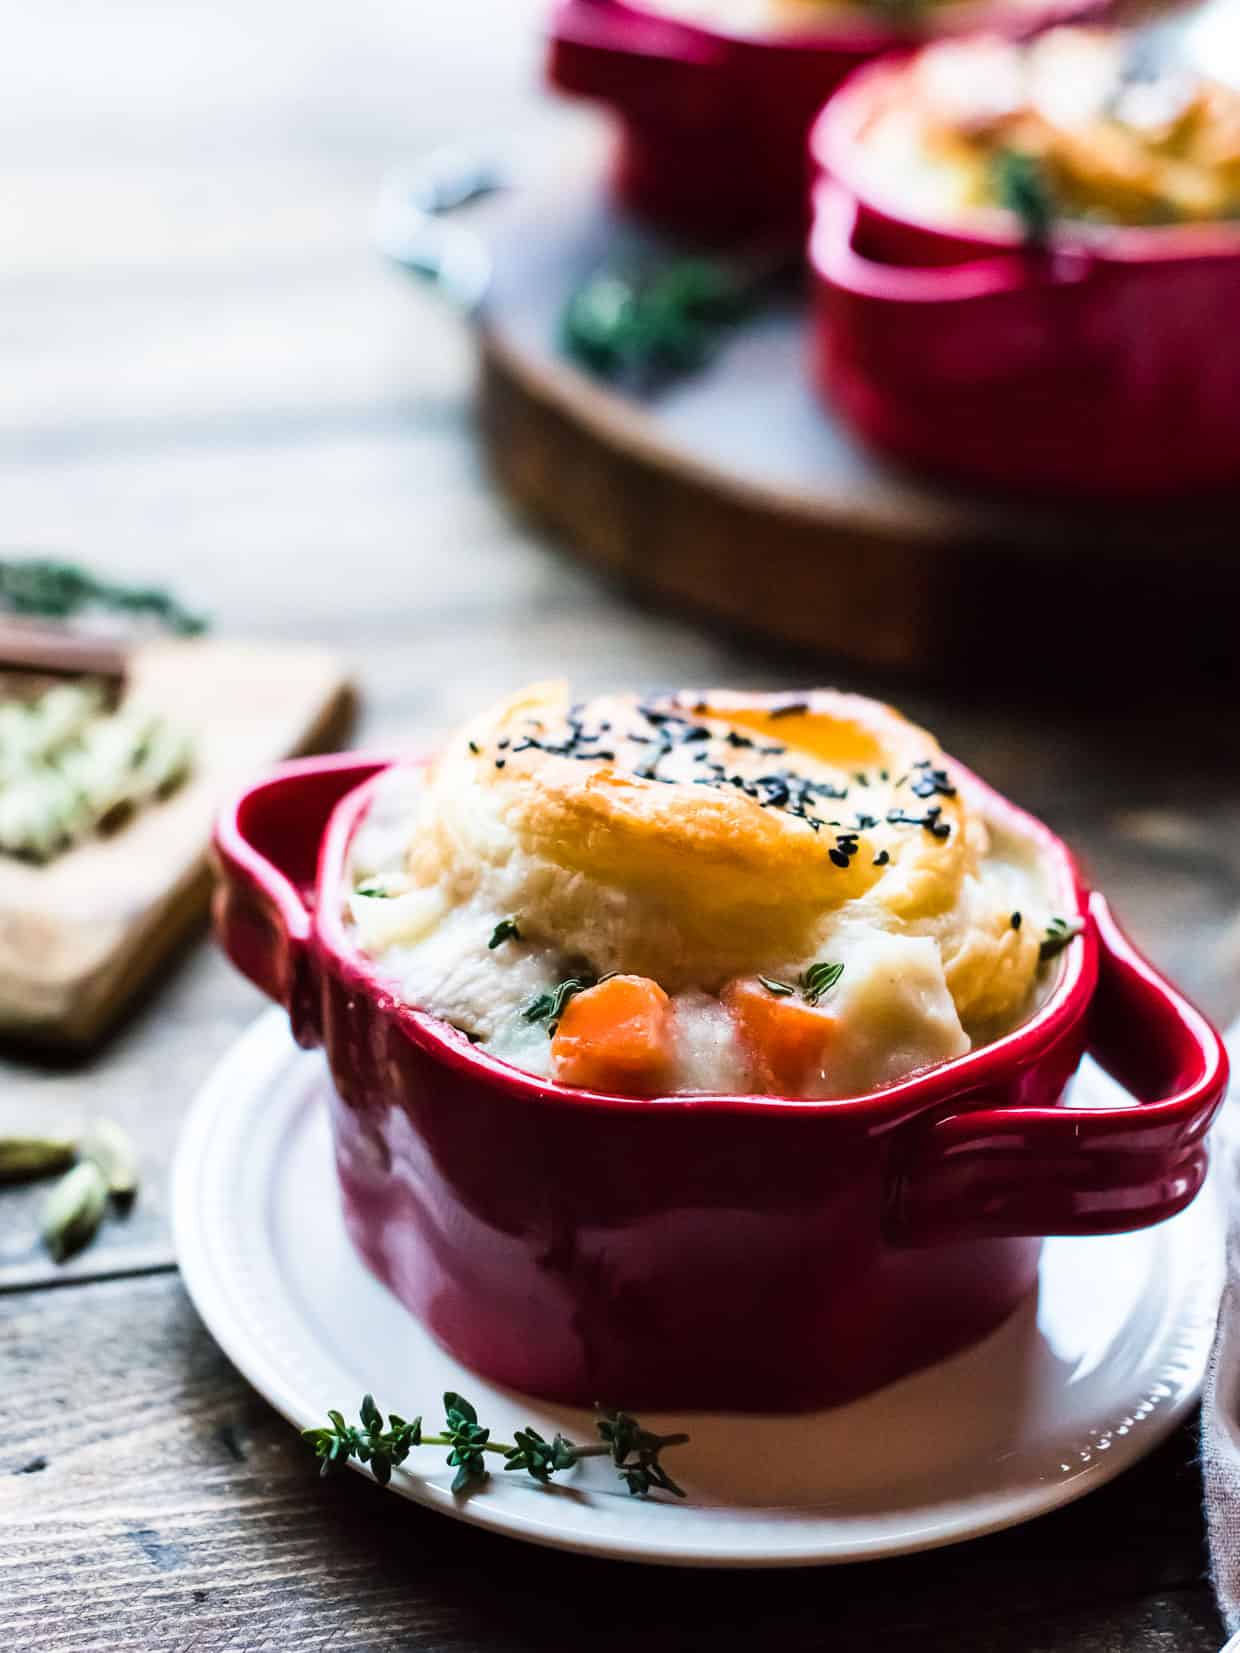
(261, 1051)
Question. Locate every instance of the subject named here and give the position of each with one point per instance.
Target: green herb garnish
(780, 989)
(656, 323)
(1059, 932)
(505, 930)
(373, 890)
(1022, 186)
(819, 979)
(633, 1450)
(549, 1007)
(58, 590)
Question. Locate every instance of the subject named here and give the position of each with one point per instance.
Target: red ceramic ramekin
(1107, 365)
(709, 1251)
(713, 123)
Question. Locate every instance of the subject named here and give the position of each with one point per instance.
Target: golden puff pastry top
(695, 838)
(1102, 129)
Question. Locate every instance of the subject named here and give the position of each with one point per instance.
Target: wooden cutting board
(80, 936)
(735, 493)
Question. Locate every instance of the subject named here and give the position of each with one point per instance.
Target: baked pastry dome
(698, 837)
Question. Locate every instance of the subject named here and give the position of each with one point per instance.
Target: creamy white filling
(893, 1010)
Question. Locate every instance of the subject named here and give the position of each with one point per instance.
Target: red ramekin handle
(266, 850)
(837, 215)
(1063, 1170)
(647, 66)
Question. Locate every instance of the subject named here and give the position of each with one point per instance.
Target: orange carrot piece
(615, 1037)
(786, 1038)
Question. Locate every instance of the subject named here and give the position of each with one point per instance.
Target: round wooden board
(734, 492)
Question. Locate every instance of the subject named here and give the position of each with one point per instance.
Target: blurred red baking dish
(709, 1251)
(713, 122)
(1108, 367)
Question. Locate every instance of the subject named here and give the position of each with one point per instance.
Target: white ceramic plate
(1076, 1386)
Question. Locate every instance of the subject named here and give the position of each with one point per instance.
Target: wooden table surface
(211, 381)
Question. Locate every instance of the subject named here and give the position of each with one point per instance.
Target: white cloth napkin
(1220, 1413)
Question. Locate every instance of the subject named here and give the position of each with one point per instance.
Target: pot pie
(1082, 124)
(716, 893)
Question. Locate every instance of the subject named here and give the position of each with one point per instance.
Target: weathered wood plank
(150, 1499)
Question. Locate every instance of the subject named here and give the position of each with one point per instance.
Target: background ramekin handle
(644, 65)
(266, 850)
(1015, 1171)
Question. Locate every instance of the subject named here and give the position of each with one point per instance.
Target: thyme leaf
(819, 979)
(780, 989)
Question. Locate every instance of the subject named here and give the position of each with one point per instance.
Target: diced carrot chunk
(615, 1037)
(786, 1038)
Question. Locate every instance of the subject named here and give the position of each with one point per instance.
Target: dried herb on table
(59, 590)
(635, 1452)
(646, 327)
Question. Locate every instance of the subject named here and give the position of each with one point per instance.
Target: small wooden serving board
(80, 936)
(734, 492)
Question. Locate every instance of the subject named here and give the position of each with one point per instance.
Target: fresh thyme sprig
(634, 1451)
(1059, 932)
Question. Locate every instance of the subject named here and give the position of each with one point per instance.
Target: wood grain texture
(211, 383)
(149, 1499)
